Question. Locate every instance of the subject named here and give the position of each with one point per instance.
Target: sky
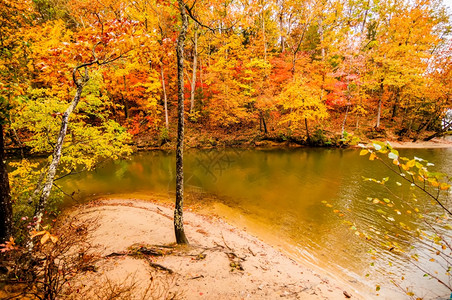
(449, 4)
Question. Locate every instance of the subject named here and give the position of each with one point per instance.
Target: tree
(57, 152)
(6, 210)
(178, 210)
(13, 61)
(303, 99)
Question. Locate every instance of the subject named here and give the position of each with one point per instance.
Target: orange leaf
(45, 238)
(37, 233)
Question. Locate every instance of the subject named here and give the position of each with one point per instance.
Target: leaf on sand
(45, 238)
(35, 233)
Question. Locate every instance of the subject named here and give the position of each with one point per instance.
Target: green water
(285, 191)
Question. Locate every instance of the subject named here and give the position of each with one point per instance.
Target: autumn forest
(85, 81)
(307, 70)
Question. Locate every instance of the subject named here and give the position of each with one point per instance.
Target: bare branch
(190, 13)
(100, 22)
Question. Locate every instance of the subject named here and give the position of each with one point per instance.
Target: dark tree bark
(165, 98)
(6, 210)
(178, 211)
(377, 125)
(195, 66)
(124, 100)
(262, 122)
(395, 106)
(308, 136)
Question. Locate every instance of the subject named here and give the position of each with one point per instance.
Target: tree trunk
(263, 32)
(378, 113)
(6, 210)
(308, 136)
(281, 34)
(56, 158)
(345, 120)
(178, 211)
(124, 100)
(445, 128)
(395, 106)
(165, 98)
(379, 105)
(262, 123)
(195, 65)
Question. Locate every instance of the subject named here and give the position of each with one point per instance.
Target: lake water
(303, 201)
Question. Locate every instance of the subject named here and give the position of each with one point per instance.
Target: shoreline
(436, 143)
(222, 262)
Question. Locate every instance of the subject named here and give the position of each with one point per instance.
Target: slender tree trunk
(165, 98)
(308, 136)
(265, 124)
(378, 113)
(56, 157)
(124, 100)
(6, 210)
(395, 106)
(345, 120)
(178, 211)
(195, 65)
(379, 105)
(322, 50)
(281, 35)
(263, 32)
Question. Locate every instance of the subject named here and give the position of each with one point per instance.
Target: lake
(311, 203)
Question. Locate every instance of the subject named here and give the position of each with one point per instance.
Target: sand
(432, 144)
(221, 261)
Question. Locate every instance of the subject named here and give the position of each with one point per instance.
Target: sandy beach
(221, 261)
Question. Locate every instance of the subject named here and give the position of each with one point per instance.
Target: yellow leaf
(363, 152)
(444, 186)
(45, 238)
(372, 156)
(411, 163)
(53, 238)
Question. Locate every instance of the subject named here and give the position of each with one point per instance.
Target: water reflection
(289, 194)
